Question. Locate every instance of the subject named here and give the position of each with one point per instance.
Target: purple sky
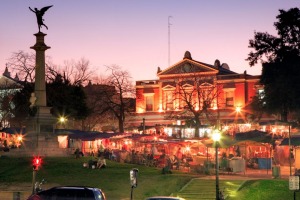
(134, 33)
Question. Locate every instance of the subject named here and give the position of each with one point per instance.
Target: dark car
(164, 198)
(70, 193)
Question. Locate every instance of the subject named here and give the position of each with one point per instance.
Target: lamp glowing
(62, 119)
(216, 136)
(238, 109)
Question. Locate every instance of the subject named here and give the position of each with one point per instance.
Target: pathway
(204, 187)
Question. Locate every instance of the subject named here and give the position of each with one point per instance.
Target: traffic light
(37, 162)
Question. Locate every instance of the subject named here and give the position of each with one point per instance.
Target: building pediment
(187, 86)
(188, 67)
(206, 85)
(169, 87)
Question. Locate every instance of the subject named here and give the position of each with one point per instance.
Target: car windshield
(74, 193)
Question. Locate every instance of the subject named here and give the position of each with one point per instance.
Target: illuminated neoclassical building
(218, 94)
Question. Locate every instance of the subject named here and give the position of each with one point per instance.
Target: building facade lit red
(194, 85)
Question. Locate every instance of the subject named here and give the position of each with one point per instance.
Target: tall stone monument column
(40, 127)
(40, 83)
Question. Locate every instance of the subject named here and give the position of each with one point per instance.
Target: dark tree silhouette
(118, 101)
(280, 57)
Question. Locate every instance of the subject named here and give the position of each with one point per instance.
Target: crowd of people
(150, 158)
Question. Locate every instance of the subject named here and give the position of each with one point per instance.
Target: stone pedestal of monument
(40, 136)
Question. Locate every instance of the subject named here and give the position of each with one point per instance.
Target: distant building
(8, 87)
(101, 99)
(192, 85)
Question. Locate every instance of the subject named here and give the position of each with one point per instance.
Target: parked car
(164, 198)
(70, 193)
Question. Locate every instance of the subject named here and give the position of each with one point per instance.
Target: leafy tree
(67, 99)
(282, 86)
(64, 99)
(280, 57)
(63, 88)
(269, 48)
(22, 105)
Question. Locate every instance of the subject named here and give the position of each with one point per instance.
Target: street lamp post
(216, 138)
(144, 126)
(290, 150)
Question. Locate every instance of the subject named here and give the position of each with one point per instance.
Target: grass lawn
(114, 180)
(276, 189)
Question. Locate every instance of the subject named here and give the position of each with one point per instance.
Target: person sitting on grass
(167, 168)
(101, 162)
(175, 161)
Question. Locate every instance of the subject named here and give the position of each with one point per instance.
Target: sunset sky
(133, 34)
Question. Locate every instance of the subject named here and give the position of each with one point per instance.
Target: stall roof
(91, 136)
(295, 141)
(14, 130)
(74, 134)
(253, 135)
(67, 131)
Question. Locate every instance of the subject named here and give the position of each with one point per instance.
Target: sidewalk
(255, 174)
(284, 173)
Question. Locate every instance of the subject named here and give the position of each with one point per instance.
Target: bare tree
(120, 102)
(77, 73)
(97, 102)
(23, 64)
(195, 99)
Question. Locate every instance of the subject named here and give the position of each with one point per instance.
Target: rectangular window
(170, 100)
(229, 99)
(261, 94)
(149, 103)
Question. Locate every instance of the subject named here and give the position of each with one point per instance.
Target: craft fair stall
(256, 148)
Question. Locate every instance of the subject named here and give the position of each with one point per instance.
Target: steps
(198, 189)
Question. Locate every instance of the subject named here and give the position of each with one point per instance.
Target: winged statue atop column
(39, 16)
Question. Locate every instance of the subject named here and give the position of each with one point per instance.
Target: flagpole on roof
(169, 42)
